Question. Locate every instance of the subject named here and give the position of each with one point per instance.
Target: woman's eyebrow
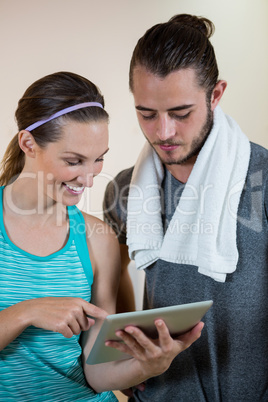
(105, 152)
(75, 154)
(82, 156)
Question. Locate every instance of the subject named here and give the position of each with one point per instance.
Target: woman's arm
(125, 297)
(150, 357)
(66, 315)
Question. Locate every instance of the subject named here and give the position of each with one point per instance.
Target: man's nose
(166, 128)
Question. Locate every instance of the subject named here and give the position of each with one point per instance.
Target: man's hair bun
(200, 23)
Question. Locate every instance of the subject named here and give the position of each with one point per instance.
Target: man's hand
(154, 356)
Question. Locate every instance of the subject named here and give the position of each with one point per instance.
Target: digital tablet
(179, 319)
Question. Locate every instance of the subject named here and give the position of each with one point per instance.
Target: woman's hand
(154, 356)
(66, 315)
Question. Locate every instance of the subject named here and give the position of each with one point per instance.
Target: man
(194, 209)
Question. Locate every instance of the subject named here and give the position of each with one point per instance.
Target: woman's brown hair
(41, 100)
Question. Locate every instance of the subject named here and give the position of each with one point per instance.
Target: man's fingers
(191, 336)
(138, 341)
(129, 344)
(128, 392)
(163, 334)
(132, 341)
(198, 329)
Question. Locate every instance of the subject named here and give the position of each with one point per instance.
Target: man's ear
(217, 93)
(27, 143)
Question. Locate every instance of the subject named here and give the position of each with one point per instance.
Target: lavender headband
(63, 111)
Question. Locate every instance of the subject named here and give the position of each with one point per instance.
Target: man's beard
(197, 143)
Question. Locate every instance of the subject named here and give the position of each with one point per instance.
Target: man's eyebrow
(182, 107)
(176, 108)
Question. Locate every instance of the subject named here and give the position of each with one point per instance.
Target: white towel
(202, 231)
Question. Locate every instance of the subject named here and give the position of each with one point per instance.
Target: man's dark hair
(181, 43)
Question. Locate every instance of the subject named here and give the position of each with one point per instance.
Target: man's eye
(183, 117)
(148, 117)
(100, 159)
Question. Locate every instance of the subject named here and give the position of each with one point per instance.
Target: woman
(50, 252)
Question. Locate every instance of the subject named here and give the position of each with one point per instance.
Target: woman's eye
(100, 159)
(72, 163)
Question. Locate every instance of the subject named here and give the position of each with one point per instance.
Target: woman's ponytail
(12, 162)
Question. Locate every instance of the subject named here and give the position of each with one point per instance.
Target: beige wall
(96, 39)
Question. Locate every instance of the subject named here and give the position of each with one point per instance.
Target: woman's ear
(217, 93)
(27, 143)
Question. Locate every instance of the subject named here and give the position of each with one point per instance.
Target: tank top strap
(1, 201)
(78, 229)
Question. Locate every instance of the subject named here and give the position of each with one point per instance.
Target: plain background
(96, 39)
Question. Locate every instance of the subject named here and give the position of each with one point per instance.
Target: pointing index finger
(93, 311)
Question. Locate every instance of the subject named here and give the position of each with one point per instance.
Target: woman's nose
(86, 178)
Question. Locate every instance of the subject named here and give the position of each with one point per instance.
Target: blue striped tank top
(42, 365)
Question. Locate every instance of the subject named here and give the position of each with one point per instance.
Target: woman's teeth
(76, 189)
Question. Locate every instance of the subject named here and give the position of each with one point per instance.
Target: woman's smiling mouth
(73, 189)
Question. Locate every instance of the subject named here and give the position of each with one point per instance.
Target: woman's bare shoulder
(104, 253)
(99, 232)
